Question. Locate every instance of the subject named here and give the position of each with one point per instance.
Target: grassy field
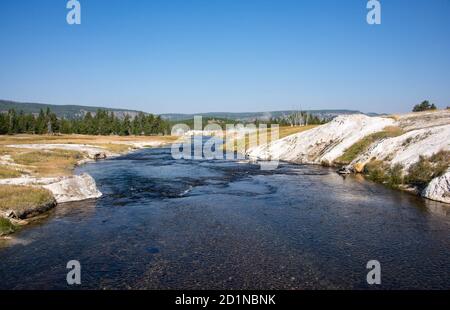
(283, 132)
(114, 141)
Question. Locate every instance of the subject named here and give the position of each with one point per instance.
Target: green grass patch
(6, 227)
(363, 145)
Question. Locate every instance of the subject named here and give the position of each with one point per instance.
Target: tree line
(298, 119)
(102, 122)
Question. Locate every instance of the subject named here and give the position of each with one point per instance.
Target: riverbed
(199, 224)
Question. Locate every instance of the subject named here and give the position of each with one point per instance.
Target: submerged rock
(344, 170)
(439, 188)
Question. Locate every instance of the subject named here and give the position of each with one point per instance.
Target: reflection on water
(220, 224)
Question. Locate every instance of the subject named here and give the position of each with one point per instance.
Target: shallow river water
(192, 224)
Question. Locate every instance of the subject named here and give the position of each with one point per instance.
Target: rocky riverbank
(356, 143)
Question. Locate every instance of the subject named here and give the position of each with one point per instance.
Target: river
(197, 224)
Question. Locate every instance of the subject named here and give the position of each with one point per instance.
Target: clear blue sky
(226, 55)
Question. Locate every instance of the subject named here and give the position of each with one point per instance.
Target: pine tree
(4, 123)
(125, 126)
(40, 124)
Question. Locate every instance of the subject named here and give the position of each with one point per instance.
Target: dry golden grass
(79, 139)
(8, 172)
(394, 117)
(48, 162)
(283, 132)
(22, 198)
(115, 148)
(288, 130)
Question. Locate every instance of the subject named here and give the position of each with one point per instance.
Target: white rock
(74, 188)
(323, 143)
(439, 188)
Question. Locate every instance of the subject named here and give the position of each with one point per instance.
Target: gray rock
(10, 214)
(99, 156)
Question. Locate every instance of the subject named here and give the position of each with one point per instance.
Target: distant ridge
(76, 111)
(66, 111)
(251, 116)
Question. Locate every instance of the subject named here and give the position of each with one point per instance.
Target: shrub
(375, 170)
(424, 106)
(378, 171)
(395, 175)
(441, 162)
(428, 168)
(419, 174)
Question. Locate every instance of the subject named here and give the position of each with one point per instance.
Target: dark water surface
(219, 224)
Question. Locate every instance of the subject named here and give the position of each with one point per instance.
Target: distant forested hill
(66, 111)
(77, 111)
(262, 116)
